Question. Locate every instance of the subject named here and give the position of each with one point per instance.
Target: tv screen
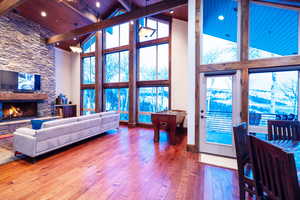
(8, 80)
(26, 81)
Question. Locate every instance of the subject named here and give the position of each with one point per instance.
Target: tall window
(273, 95)
(117, 99)
(88, 76)
(116, 70)
(116, 67)
(219, 31)
(273, 31)
(152, 99)
(154, 62)
(153, 70)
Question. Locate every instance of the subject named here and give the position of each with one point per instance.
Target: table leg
(172, 135)
(156, 134)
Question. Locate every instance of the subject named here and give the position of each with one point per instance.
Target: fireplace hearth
(17, 110)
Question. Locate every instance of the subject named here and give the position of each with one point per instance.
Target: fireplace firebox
(17, 110)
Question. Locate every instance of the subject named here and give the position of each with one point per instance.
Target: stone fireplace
(17, 110)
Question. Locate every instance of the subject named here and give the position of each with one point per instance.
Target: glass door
(219, 111)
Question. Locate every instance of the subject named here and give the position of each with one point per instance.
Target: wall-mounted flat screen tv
(19, 81)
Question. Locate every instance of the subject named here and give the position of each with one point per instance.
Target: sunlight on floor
(218, 161)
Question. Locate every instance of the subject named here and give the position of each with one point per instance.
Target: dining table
(287, 145)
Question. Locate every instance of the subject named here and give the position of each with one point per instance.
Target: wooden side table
(66, 110)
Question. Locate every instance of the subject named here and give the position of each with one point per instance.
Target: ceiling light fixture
(43, 14)
(98, 4)
(74, 38)
(145, 30)
(171, 11)
(75, 49)
(221, 17)
(131, 22)
(57, 43)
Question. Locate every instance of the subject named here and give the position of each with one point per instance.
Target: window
(117, 36)
(88, 69)
(154, 62)
(272, 95)
(116, 67)
(219, 31)
(162, 29)
(273, 31)
(152, 99)
(90, 45)
(88, 101)
(117, 99)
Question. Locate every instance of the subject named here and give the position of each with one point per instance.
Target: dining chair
(274, 171)
(283, 130)
(246, 182)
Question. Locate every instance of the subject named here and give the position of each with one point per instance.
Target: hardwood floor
(123, 164)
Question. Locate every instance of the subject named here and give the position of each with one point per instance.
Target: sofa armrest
(25, 144)
(26, 131)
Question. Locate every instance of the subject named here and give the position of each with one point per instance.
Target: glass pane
(147, 99)
(219, 110)
(163, 62)
(147, 63)
(124, 34)
(124, 66)
(89, 46)
(111, 99)
(273, 31)
(112, 67)
(150, 23)
(88, 101)
(220, 31)
(272, 95)
(163, 30)
(89, 70)
(112, 37)
(124, 99)
(162, 99)
(152, 99)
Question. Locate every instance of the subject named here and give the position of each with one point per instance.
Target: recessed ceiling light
(43, 14)
(98, 4)
(57, 43)
(221, 17)
(171, 11)
(74, 38)
(132, 22)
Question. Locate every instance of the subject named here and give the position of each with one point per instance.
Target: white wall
(63, 72)
(67, 66)
(179, 79)
(191, 69)
(75, 73)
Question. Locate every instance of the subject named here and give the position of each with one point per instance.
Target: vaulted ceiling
(65, 15)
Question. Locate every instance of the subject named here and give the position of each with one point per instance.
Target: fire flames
(14, 112)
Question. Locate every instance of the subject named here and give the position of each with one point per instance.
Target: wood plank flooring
(120, 165)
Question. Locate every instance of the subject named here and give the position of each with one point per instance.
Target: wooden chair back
(283, 130)
(275, 173)
(240, 133)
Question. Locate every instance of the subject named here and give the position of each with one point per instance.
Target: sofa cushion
(58, 122)
(103, 114)
(26, 131)
(88, 117)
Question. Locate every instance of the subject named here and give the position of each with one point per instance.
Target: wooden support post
(132, 75)
(99, 70)
(243, 54)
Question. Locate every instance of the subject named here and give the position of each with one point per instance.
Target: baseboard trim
(131, 125)
(192, 148)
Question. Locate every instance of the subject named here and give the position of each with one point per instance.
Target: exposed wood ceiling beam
(132, 15)
(278, 5)
(125, 4)
(84, 13)
(8, 5)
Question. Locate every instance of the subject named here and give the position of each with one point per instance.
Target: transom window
(116, 67)
(90, 45)
(117, 36)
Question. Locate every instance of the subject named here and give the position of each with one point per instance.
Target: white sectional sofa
(62, 132)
